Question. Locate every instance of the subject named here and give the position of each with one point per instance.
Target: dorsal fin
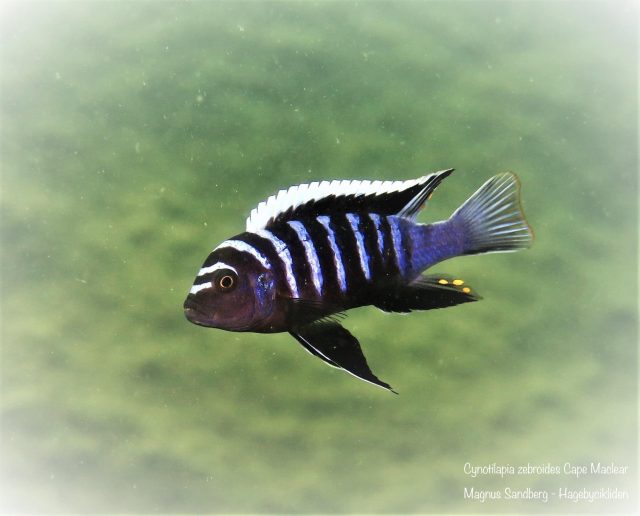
(404, 198)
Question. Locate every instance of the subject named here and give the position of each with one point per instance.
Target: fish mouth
(194, 313)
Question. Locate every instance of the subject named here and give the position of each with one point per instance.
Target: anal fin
(335, 345)
(426, 293)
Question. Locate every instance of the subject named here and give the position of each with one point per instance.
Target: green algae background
(136, 136)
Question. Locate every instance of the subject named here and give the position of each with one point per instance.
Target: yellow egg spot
(466, 290)
(458, 282)
(443, 282)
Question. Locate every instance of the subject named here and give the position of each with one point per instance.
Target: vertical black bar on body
(320, 240)
(376, 259)
(407, 244)
(389, 258)
(301, 268)
(402, 244)
(348, 245)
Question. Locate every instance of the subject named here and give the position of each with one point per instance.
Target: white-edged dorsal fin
(404, 198)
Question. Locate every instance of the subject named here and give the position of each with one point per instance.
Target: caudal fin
(492, 219)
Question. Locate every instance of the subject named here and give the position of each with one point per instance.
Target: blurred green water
(136, 136)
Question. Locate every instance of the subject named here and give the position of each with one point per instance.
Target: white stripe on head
(243, 247)
(354, 221)
(215, 267)
(197, 288)
(285, 257)
(337, 256)
(310, 253)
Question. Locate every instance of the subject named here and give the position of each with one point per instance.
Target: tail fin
(492, 219)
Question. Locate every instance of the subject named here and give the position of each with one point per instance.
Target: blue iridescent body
(314, 251)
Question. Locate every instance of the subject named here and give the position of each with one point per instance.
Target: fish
(313, 251)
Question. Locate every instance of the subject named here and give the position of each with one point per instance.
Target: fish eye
(226, 280)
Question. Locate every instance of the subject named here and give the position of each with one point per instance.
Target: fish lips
(195, 314)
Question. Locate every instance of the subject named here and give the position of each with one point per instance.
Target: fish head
(232, 291)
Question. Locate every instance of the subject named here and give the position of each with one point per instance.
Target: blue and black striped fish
(315, 250)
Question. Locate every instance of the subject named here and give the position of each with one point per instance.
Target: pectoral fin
(426, 293)
(333, 344)
(306, 312)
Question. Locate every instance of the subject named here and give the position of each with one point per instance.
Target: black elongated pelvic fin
(333, 344)
(426, 293)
